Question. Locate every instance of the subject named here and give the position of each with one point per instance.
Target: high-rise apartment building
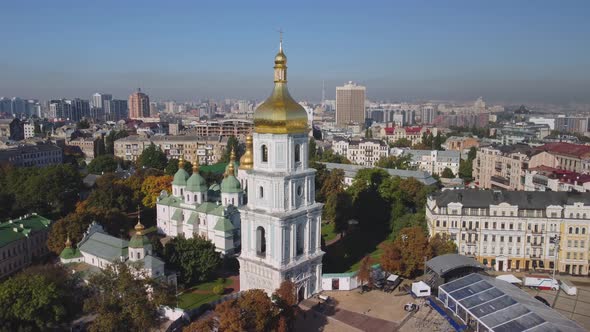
(100, 104)
(118, 110)
(350, 104)
(80, 108)
(139, 105)
(59, 109)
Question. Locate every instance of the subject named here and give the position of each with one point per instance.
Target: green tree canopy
(172, 167)
(121, 301)
(152, 157)
(111, 138)
(447, 173)
(441, 244)
(395, 162)
(232, 143)
(195, 258)
(402, 143)
(103, 164)
(39, 298)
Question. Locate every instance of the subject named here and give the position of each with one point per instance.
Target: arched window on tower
(261, 192)
(264, 150)
(260, 242)
(297, 153)
(299, 240)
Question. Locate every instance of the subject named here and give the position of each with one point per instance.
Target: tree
(312, 149)
(229, 315)
(195, 258)
(252, 311)
(472, 153)
(83, 124)
(333, 183)
(103, 164)
(413, 245)
(122, 302)
(100, 147)
(152, 157)
(111, 138)
(447, 173)
(396, 162)
(203, 325)
(39, 298)
(232, 143)
(364, 273)
(391, 257)
(402, 143)
(152, 187)
(441, 244)
(172, 167)
(285, 298)
(112, 193)
(337, 210)
(466, 169)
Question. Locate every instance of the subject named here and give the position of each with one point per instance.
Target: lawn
(328, 232)
(198, 295)
(375, 259)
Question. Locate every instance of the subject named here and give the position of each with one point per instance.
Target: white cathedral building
(268, 209)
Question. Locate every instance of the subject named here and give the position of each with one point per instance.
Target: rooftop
(446, 263)
(17, 229)
(473, 198)
(501, 306)
(351, 170)
(567, 149)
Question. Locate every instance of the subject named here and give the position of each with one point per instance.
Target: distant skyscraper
(139, 105)
(80, 108)
(59, 109)
(118, 110)
(350, 104)
(100, 105)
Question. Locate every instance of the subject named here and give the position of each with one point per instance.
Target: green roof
(193, 219)
(196, 183)
(170, 201)
(17, 229)
(215, 168)
(224, 225)
(69, 253)
(230, 185)
(177, 216)
(139, 241)
(105, 246)
(180, 177)
(211, 208)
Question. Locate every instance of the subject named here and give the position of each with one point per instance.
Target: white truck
(544, 282)
(568, 287)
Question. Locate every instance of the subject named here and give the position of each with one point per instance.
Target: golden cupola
(280, 113)
(247, 160)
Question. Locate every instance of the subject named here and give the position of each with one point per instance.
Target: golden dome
(247, 160)
(280, 113)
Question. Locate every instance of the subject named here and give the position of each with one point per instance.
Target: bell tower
(281, 221)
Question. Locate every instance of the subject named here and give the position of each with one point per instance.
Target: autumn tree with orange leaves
(152, 186)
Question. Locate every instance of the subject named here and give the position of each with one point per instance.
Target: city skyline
(506, 52)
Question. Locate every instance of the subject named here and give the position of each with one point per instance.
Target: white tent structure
(509, 278)
(420, 289)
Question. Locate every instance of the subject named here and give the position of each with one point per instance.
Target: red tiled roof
(567, 149)
(413, 130)
(389, 130)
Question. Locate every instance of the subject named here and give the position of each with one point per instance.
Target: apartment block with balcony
(365, 152)
(208, 150)
(515, 230)
(502, 167)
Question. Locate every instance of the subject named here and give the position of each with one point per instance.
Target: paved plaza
(374, 311)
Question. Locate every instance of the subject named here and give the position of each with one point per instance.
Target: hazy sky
(505, 51)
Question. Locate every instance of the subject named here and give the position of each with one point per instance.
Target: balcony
(535, 244)
(537, 231)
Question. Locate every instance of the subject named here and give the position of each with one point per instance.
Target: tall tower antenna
(323, 93)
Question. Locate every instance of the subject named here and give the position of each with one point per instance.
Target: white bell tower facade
(280, 231)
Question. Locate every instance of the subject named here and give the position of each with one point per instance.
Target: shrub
(219, 289)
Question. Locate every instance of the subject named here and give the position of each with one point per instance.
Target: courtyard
(374, 311)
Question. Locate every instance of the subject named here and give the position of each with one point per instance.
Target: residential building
(412, 134)
(39, 155)
(97, 250)
(434, 161)
(522, 132)
(79, 109)
(28, 130)
(515, 230)
(350, 104)
(572, 124)
(139, 105)
(21, 241)
(12, 129)
(544, 178)
(565, 156)
(59, 109)
(365, 152)
(350, 172)
(208, 150)
(459, 143)
(85, 145)
(117, 110)
(223, 128)
(501, 167)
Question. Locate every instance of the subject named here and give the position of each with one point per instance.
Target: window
(583, 230)
(577, 230)
(582, 244)
(510, 239)
(261, 192)
(518, 239)
(502, 238)
(569, 243)
(264, 150)
(493, 238)
(299, 243)
(463, 236)
(511, 226)
(444, 223)
(438, 223)
(575, 243)
(571, 230)
(486, 225)
(260, 242)
(485, 237)
(502, 226)
(297, 153)
(494, 225)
